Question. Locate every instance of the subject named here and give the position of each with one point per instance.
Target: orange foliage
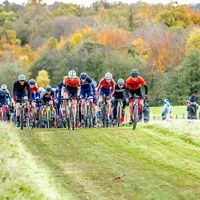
(116, 38)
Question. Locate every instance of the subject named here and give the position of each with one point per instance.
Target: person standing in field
(166, 111)
(192, 108)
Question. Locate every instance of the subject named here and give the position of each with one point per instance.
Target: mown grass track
(114, 163)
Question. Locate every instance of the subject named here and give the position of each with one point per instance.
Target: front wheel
(135, 117)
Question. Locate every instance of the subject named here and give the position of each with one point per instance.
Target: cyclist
(58, 98)
(120, 93)
(94, 105)
(21, 89)
(34, 95)
(5, 99)
(106, 88)
(71, 89)
(48, 100)
(133, 87)
(71, 85)
(85, 91)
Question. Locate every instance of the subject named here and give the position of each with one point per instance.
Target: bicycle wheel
(118, 115)
(105, 117)
(91, 124)
(72, 119)
(135, 117)
(21, 118)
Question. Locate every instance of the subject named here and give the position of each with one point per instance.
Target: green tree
(189, 73)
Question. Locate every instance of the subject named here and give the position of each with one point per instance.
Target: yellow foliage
(61, 43)
(85, 33)
(26, 56)
(43, 78)
(12, 38)
(116, 38)
(141, 48)
(194, 39)
(76, 38)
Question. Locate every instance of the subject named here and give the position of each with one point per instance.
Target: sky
(89, 2)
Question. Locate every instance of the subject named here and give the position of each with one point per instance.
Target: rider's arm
(113, 87)
(145, 85)
(29, 91)
(99, 86)
(9, 96)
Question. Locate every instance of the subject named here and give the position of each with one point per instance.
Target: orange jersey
(135, 84)
(72, 83)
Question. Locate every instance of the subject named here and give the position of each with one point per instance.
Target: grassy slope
(84, 163)
(176, 111)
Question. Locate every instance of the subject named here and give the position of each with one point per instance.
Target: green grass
(177, 111)
(154, 163)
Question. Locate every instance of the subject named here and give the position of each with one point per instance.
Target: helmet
(108, 76)
(165, 101)
(54, 89)
(48, 88)
(32, 82)
(4, 87)
(21, 77)
(120, 82)
(134, 73)
(72, 74)
(41, 89)
(94, 83)
(83, 75)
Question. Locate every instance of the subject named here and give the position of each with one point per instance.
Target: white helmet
(4, 87)
(108, 76)
(72, 74)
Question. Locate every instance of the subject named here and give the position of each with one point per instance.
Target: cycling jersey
(47, 97)
(4, 96)
(72, 83)
(120, 93)
(58, 90)
(106, 86)
(86, 88)
(132, 84)
(34, 92)
(21, 90)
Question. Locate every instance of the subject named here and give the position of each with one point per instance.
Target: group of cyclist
(79, 90)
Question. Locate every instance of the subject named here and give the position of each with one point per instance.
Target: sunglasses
(21, 81)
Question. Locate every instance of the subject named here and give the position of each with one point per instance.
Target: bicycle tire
(135, 119)
(21, 118)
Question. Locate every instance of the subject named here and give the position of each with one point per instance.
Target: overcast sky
(89, 2)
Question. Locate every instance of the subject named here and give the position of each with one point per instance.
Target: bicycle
(73, 112)
(3, 112)
(64, 109)
(49, 119)
(137, 114)
(104, 112)
(25, 119)
(88, 113)
(119, 111)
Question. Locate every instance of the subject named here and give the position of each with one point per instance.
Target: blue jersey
(87, 85)
(58, 90)
(4, 96)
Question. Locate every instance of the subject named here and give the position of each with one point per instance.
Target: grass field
(156, 161)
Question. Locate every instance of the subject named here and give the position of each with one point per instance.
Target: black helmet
(83, 75)
(32, 82)
(134, 73)
(48, 88)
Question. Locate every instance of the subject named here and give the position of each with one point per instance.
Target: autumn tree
(43, 78)
(194, 39)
